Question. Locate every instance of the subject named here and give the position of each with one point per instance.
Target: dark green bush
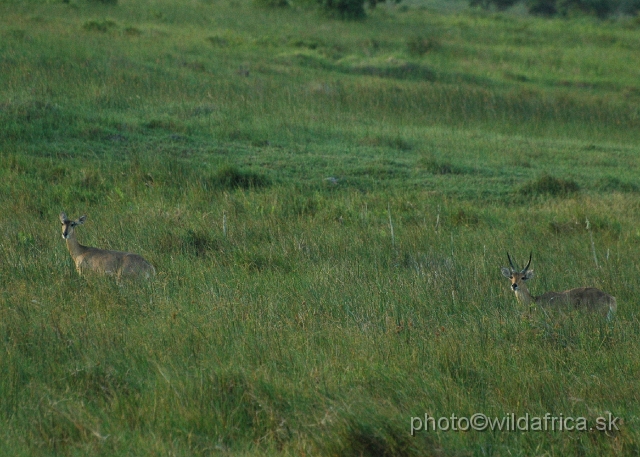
(488, 4)
(345, 9)
(631, 7)
(272, 3)
(599, 8)
(542, 7)
(349, 9)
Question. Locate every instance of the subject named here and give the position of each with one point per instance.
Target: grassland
(328, 205)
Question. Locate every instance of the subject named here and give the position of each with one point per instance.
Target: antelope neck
(523, 295)
(75, 248)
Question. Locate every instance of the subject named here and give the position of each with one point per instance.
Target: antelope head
(67, 225)
(516, 275)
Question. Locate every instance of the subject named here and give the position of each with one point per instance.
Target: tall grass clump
(550, 185)
(230, 177)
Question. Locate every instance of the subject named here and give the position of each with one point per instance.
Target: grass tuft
(418, 46)
(438, 167)
(549, 185)
(370, 433)
(230, 177)
(96, 25)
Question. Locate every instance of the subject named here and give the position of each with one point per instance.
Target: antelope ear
(528, 274)
(81, 220)
(506, 273)
(63, 217)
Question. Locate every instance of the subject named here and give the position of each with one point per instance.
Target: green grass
(327, 205)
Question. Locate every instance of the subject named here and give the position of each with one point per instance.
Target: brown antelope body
(585, 298)
(119, 264)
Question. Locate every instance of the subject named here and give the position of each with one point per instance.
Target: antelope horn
(524, 270)
(511, 263)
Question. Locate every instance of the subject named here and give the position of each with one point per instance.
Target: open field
(327, 205)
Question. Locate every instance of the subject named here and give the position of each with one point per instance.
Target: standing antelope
(587, 298)
(100, 260)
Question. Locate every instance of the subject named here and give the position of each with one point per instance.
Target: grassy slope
(300, 324)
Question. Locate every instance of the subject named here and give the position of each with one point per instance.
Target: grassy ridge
(328, 205)
(171, 71)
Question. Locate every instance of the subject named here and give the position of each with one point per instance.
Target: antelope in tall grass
(120, 264)
(586, 298)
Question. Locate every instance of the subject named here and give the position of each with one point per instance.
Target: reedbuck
(587, 298)
(120, 264)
